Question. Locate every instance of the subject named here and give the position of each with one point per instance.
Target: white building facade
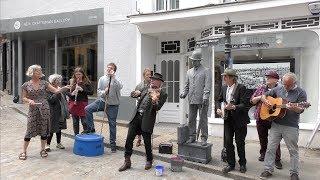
(266, 34)
(161, 34)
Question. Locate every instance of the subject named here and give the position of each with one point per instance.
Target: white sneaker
(47, 148)
(60, 146)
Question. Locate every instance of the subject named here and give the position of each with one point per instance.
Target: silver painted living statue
(198, 88)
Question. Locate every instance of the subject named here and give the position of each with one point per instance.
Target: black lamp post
(228, 46)
(227, 63)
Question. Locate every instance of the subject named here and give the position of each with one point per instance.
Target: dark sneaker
(148, 165)
(294, 176)
(113, 149)
(261, 158)
(227, 169)
(265, 175)
(278, 164)
(243, 168)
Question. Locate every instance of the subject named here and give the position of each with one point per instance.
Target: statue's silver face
(196, 63)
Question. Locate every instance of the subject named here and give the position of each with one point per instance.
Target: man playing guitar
(286, 127)
(263, 126)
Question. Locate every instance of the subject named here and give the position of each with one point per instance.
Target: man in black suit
(151, 100)
(235, 115)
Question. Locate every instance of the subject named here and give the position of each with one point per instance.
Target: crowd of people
(50, 104)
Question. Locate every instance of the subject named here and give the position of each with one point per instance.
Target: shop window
(170, 47)
(191, 44)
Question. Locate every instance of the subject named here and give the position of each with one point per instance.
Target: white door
(169, 67)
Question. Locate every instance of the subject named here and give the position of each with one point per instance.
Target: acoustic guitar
(278, 108)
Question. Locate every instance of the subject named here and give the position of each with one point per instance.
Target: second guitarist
(286, 127)
(263, 126)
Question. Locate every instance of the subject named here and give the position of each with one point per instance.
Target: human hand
(155, 95)
(219, 112)
(182, 96)
(31, 103)
(78, 88)
(230, 106)
(136, 93)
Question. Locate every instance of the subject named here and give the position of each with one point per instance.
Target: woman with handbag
(78, 98)
(58, 112)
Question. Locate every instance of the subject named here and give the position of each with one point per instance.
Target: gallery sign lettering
(53, 21)
(219, 41)
(251, 45)
(209, 42)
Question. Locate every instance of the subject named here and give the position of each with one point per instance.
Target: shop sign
(218, 41)
(53, 21)
(249, 46)
(209, 42)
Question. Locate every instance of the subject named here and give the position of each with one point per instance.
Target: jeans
(290, 136)
(112, 113)
(134, 129)
(263, 130)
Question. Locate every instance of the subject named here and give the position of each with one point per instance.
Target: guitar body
(276, 111)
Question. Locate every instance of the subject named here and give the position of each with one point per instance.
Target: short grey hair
(291, 75)
(33, 68)
(55, 78)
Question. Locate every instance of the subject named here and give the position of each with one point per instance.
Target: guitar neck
(294, 104)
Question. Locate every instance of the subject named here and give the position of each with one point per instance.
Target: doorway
(170, 69)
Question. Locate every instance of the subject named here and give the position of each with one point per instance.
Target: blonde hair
(33, 68)
(146, 70)
(55, 78)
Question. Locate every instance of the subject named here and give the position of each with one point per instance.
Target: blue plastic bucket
(159, 170)
(88, 145)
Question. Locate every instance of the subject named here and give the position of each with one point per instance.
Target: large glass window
(74, 51)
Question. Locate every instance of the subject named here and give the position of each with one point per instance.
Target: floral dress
(39, 114)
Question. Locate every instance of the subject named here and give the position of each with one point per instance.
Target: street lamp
(227, 63)
(228, 46)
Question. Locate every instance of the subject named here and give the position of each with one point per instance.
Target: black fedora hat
(157, 76)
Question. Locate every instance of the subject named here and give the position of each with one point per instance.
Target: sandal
(43, 153)
(23, 156)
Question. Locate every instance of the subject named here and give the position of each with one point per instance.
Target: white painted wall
(120, 41)
(309, 80)
(148, 52)
(149, 6)
(16, 8)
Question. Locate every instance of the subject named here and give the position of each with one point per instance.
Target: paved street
(13, 129)
(64, 164)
